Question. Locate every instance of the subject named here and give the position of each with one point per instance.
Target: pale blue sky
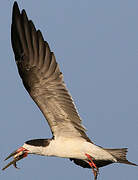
(96, 45)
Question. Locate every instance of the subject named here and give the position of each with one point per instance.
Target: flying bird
(43, 80)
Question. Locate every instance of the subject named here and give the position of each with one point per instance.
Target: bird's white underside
(71, 148)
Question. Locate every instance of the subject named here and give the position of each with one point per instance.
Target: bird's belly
(77, 149)
(68, 149)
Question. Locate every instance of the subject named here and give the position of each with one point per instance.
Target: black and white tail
(120, 155)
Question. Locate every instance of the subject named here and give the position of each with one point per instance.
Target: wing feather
(42, 78)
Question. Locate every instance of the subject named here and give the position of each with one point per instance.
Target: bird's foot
(93, 166)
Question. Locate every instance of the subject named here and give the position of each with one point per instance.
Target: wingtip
(15, 5)
(15, 11)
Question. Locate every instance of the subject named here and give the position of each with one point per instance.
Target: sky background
(96, 46)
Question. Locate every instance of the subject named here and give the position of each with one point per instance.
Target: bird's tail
(120, 155)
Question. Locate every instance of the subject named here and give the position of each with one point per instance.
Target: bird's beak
(17, 155)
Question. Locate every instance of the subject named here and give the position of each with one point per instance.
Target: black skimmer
(43, 80)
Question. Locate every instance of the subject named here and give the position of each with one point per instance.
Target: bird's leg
(93, 166)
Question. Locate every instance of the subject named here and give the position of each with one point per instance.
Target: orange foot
(93, 166)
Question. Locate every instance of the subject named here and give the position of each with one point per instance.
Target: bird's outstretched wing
(42, 78)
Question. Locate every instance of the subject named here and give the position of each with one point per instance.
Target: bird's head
(34, 146)
(17, 155)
